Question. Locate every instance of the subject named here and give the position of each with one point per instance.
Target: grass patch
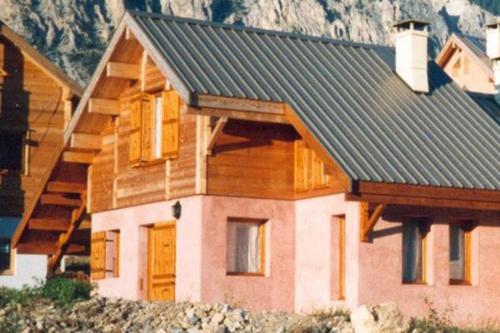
(62, 292)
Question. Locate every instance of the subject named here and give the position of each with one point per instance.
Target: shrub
(23, 296)
(65, 292)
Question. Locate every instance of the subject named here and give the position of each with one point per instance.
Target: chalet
(36, 101)
(275, 170)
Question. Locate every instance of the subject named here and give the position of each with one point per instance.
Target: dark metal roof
(348, 96)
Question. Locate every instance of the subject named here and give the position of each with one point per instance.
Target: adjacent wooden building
(36, 103)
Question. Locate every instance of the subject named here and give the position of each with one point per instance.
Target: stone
(218, 318)
(384, 318)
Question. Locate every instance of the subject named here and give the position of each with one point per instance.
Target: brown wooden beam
(234, 114)
(78, 157)
(221, 122)
(86, 141)
(48, 224)
(240, 104)
(109, 107)
(123, 70)
(59, 200)
(368, 220)
(46, 247)
(65, 187)
(64, 242)
(422, 201)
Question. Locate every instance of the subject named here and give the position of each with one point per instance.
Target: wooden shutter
(147, 127)
(135, 138)
(300, 166)
(171, 107)
(98, 255)
(321, 179)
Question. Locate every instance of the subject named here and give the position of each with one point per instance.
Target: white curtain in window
(243, 252)
(412, 252)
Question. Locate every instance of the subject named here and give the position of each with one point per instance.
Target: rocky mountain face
(74, 33)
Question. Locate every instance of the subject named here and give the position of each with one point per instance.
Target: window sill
(7, 272)
(460, 283)
(245, 274)
(415, 283)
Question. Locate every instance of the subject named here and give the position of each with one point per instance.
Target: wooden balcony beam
(368, 220)
(66, 187)
(59, 200)
(78, 157)
(48, 224)
(86, 141)
(123, 70)
(109, 107)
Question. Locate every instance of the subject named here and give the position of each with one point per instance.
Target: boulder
(383, 318)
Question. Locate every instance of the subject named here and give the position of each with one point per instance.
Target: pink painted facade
(301, 267)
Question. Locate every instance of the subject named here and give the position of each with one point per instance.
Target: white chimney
(411, 53)
(493, 52)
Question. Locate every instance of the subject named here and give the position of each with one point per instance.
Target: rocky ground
(108, 315)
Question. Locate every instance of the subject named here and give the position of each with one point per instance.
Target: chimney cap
(408, 23)
(494, 23)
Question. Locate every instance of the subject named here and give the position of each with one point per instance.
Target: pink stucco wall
(275, 290)
(301, 273)
(132, 223)
(381, 267)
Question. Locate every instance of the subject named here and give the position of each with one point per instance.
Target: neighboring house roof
(347, 94)
(488, 103)
(473, 45)
(40, 60)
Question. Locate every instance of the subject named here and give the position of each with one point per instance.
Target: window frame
(262, 245)
(424, 230)
(467, 226)
(12, 253)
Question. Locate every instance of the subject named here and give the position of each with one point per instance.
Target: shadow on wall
(14, 130)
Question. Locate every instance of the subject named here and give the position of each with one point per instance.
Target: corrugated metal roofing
(348, 96)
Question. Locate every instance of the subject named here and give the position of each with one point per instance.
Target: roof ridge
(278, 33)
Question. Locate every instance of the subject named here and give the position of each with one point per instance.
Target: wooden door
(161, 262)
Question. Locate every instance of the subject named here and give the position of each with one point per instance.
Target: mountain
(74, 33)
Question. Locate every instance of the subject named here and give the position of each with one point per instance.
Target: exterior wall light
(176, 210)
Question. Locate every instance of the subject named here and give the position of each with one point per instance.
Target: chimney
(411, 53)
(493, 52)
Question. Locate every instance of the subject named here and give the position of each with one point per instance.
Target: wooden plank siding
(32, 103)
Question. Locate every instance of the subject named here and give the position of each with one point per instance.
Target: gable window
(414, 250)
(11, 151)
(6, 257)
(460, 253)
(246, 246)
(154, 122)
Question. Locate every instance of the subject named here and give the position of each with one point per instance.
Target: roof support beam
(86, 141)
(109, 107)
(129, 34)
(122, 70)
(65, 187)
(219, 126)
(78, 157)
(368, 221)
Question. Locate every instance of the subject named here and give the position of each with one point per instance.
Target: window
(154, 122)
(11, 151)
(105, 254)
(460, 253)
(414, 250)
(6, 257)
(246, 246)
(310, 170)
